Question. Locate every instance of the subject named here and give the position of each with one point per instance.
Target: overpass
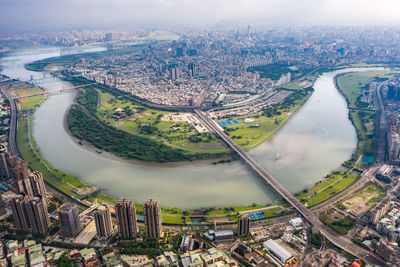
(337, 240)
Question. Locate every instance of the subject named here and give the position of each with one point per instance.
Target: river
(315, 141)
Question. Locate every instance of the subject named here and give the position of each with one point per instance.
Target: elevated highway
(337, 240)
(12, 135)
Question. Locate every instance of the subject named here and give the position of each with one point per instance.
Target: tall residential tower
(152, 218)
(126, 217)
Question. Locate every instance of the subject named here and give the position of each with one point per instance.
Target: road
(332, 236)
(381, 138)
(12, 144)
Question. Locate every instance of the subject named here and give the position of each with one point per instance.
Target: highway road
(336, 239)
(12, 144)
(381, 137)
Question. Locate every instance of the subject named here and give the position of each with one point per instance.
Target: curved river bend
(315, 141)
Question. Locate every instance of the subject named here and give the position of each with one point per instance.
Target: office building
(68, 215)
(37, 183)
(152, 218)
(4, 173)
(102, 218)
(126, 217)
(243, 225)
(19, 214)
(37, 214)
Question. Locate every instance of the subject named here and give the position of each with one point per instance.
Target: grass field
(250, 133)
(293, 86)
(273, 212)
(328, 187)
(175, 133)
(106, 198)
(171, 219)
(24, 89)
(352, 84)
(31, 102)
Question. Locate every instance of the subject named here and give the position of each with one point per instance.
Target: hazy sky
(39, 13)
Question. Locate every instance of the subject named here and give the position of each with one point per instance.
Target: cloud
(192, 12)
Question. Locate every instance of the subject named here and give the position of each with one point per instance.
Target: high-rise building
(126, 217)
(243, 225)
(379, 211)
(192, 69)
(19, 214)
(4, 173)
(172, 74)
(248, 31)
(102, 218)
(68, 215)
(179, 51)
(19, 172)
(152, 218)
(109, 37)
(37, 214)
(37, 183)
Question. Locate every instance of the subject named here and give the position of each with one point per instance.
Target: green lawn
(23, 89)
(30, 102)
(240, 209)
(172, 219)
(326, 188)
(293, 86)
(332, 189)
(273, 212)
(106, 198)
(174, 133)
(352, 84)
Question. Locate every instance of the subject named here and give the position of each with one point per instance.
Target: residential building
(68, 215)
(152, 218)
(126, 218)
(243, 225)
(37, 183)
(37, 214)
(102, 218)
(4, 172)
(18, 210)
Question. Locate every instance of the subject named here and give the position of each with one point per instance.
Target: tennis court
(256, 215)
(226, 123)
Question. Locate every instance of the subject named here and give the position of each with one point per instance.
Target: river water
(315, 141)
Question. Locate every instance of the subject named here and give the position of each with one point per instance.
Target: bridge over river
(336, 239)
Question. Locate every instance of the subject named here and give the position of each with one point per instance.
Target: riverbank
(363, 106)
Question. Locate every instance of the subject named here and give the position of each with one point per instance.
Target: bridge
(62, 91)
(337, 240)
